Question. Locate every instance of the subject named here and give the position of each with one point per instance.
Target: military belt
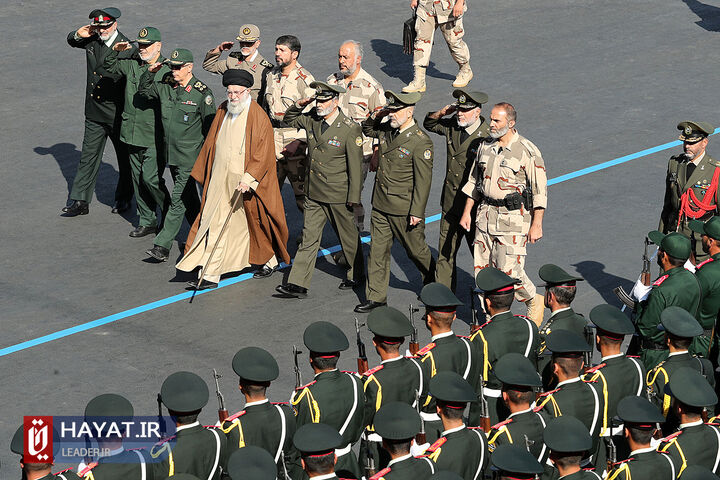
(648, 344)
(514, 201)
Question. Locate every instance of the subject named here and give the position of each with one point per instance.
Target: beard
(463, 123)
(238, 106)
(105, 36)
(323, 112)
(346, 72)
(146, 56)
(499, 133)
(689, 155)
(395, 123)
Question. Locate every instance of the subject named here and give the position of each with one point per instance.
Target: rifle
(369, 467)
(475, 325)
(161, 419)
(284, 467)
(298, 375)
(414, 346)
(362, 361)
(420, 437)
(611, 453)
(222, 411)
(645, 279)
(484, 409)
(590, 339)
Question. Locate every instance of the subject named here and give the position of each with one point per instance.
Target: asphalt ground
(591, 81)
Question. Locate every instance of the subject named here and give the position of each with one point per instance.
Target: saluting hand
(224, 46)
(86, 31)
(303, 102)
(155, 67)
(121, 46)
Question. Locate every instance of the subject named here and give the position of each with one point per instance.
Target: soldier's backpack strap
(468, 348)
(143, 466)
(639, 369)
(216, 462)
(483, 449)
(356, 386)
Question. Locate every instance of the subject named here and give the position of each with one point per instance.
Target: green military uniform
(462, 146)
(319, 440)
(402, 187)
(187, 113)
(565, 436)
(708, 276)
(406, 467)
(252, 463)
(691, 187)
(141, 130)
(17, 445)
(515, 462)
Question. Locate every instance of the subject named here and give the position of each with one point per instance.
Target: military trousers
(93, 147)
(150, 190)
(317, 215)
(184, 201)
(453, 32)
(650, 357)
(451, 237)
(701, 346)
(383, 231)
(358, 209)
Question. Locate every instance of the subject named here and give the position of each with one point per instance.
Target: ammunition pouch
(514, 201)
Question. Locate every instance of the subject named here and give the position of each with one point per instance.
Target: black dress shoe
(120, 206)
(348, 284)
(265, 271)
(78, 207)
(158, 253)
(291, 290)
(142, 231)
(206, 285)
(368, 305)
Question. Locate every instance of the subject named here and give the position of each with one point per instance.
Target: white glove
(689, 266)
(417, 450)
(640, 291)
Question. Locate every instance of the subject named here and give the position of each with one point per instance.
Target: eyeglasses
(235, 93)
(177, 67)
(246, 44)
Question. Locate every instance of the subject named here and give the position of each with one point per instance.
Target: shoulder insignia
(301, 74)
(63, 471)
(713, 162)
(372, 370)
(660, 280)
(703, 263)
(438, 443)
(427, 154)
(236, 415)
(595, 368)
(85, 470)
(305, 386)
(623, 461)
(280, 403)
(420, 133)
(200, 86)
(671, 436)
(426, 349)
(266, 64)
(381, 473)
(632, 356)
(545, 394)
(501, 424)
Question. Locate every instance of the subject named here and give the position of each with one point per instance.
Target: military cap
(325, 337)
(467, 99)
(567, 434)
(180, 56)
(674, 244)
(255, 364)
(389, 322)
(492, 280)
(691, 388)
(711, 227)
(325, 91)
(236, 76)
(109, 405)
(694, 131)
(610, 319)
(566, 343)
(516, 369)
(17, 444)
(104, 17)
(639, 412)
(148, 36)
(251, 463)
(437, 296)
(397, 421)
(448, 386)
(445, 475)
(396, 101)
(515, 460)
(248, 33)
(698, 472)
(554, 276)
(184, 392)
(678, 322)
(316, 438)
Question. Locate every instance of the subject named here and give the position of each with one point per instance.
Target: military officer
(261, 423)
(459, 449)
(103, 110)
(708, 275)
(38, 470)
(247, 58)
(141, 128)
(252, 463)
(287, 82)
(402, 187)
(502, 333)
(691, 185)
(676, 286)
(463, 128)
(333, 397)
(695, 443)
(318, 444)
(197, 450)
(640, 419)
(568, 440)
(513, 462)
(332, 186)
(188, 108)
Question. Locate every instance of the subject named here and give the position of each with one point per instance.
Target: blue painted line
(323, 252)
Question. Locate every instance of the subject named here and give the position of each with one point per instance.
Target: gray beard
(237, 107)
(499, 133)
(323, 113)
(394, 123)
(348, 71)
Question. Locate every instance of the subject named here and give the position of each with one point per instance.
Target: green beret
(180, 56)
(396, 101)
(148, 35)
(255, 365)
(711, 227)
(248, 33)
(555, 276)
(516, 369)
(104, 17)
(251, 463)
(325, 91)
(467, 99)
(691, 388)
(611, 320)
(184, 392)
(694, 131)
(316, 438)
(515, 460)
(448, 386)
(389, 322)
(567, 434)
(445, 475)
(698, 472)
(397, 421)
(437, 296)
(325, 337)
(17, 444)
(674, 244)
(492, 280)
(566, 343)
(109, 405)
(677, 321)
(639, 412)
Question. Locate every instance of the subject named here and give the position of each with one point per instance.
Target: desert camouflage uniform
(430, 15)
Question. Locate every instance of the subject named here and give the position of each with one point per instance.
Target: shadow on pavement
(709, 15)
(398, 65)
(603, 282)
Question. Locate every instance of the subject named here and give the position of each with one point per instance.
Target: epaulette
(426, 349)
(381, 473)
(703, 263)
(265, 63)
(87, 468)
(632, 356)
(595, 368)
(660, 280)
(373, 370)
(63, 471)
(623, 461)
(671, 436)
(306, 385)
(530, 146)
(713, 162)
(498, 425)
(200, 86)
(348, 122)
(545, 394)
(164, 441)
(280, 403)
(438, 443)
(235, 415)
(301, 74)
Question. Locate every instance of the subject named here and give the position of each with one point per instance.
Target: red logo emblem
(38, 441)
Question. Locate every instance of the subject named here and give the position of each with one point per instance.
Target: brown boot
(418, 83)
(536, 309)
(464, 76)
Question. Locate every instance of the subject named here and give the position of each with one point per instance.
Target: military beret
(148, 36)
(249, 33)
(445, 475)
(492, 280)
(467, 99)
(184, 392)
(698, 472)
(180, 56)
(555, 276)
(396, 101)
(316, 438)
(567, 434)
(389, 322)
(397, 421)
(236, 76)
(255, 364)
(639, 412)
(448, 386)
(109, 405)
(515, 460)
(674, 244)
(17, 444)
(691, 388)
(437, 296)
(103, 17)
(325, 91)
(251, 463)
(711, 227)
(694, 131)
(566, 343)
(325, 337)
(610, 319)
(516, 369)
(678, 321)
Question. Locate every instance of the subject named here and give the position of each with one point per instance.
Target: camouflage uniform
(255, 65)
(430, 15)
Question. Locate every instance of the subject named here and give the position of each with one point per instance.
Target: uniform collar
(326, 371)
(566, 382)
(691, 424)
(560, 310)
(472, 128)
(513, 139)
(617, 355)
(324, 477)
(394, 359)
(332, 117)
(492, 317)
(118, 451)
(399, 459)
(520, 412)
(642, 450)
(412, 124)
(112, 38)
(442, 335)
(259, 402)
(251, 57)
(452, 430)
(189, 425)
(674, 354)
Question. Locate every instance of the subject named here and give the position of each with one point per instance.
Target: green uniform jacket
(141, 125)
(404, 174)
(460, 158)
(463, 451)
(126, 464)
(64, 475)
(708, 276)
(197, 450)
(562, 320)
(519, 425)
(334, 174)
(104, 90)
(644, 464)
(407, 468)
(187, 113)
(582, 475)
(659, 376)
(695, 444)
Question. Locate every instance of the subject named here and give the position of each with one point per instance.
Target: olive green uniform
(462, 146)
(126, 464)
(564, 319)
(461, 450)
(644, 463)
(187, 113)
(256, 66)
(519, 428)
(333, 179)
(141, 130)
(708, 276)
(64, 475)
(402, 187)
(197, 450)
(694, 444)
(407, 468)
